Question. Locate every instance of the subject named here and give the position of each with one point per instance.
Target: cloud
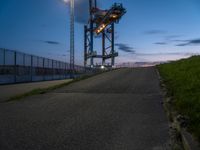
(160, 43)
(194, 42)
(51, 42)
(168, 39)
(154, 32)
(183, 44)
(172, 37)
(125, 48)
(179, 40)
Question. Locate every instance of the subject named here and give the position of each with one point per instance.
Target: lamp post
(71, 37)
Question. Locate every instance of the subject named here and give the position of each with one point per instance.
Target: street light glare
(102, 67)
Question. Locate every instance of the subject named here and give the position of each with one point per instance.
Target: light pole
(71, 37)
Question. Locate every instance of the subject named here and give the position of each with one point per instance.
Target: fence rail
(17, 67)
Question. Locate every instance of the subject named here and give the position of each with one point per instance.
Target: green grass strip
(46, 90)
(182, 79)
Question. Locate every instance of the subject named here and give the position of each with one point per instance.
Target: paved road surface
(118, 110)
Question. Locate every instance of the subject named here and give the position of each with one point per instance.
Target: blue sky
(152, 30)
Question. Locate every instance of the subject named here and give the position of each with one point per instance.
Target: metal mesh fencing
(17, 67)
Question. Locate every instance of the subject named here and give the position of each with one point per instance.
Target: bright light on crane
(103, 18)
(101, 28)
(102, 67)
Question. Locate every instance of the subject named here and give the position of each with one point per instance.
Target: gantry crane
(102, 24)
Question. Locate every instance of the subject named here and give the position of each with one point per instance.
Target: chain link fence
(17, 67)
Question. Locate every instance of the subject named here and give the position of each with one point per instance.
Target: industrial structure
(102, 24)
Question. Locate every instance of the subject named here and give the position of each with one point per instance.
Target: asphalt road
(118, 110)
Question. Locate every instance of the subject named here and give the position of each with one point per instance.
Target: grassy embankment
(182, 79)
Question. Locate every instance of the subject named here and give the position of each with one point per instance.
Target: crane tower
(102, 24)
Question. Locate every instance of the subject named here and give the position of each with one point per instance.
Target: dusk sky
(152, 30)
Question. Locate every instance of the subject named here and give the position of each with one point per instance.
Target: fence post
(52, 69)
(31, 67)
(43, 69)
(37, 69)
(24, 68)
(24, 59)
(65, 70)
(48, 70)
(15, 66)
(59, 70)
(4, 56)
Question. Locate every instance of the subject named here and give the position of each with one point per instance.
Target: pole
(52, 67)
(15, 67)
(113, 44)
(72, 38)
(91, 32)
(43, 70)
(95, 3)
(85, 46)
(103, 47)
(31, 67)
(4, 57)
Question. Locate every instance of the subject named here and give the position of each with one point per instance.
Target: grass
(182, 79)
(45, 90)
